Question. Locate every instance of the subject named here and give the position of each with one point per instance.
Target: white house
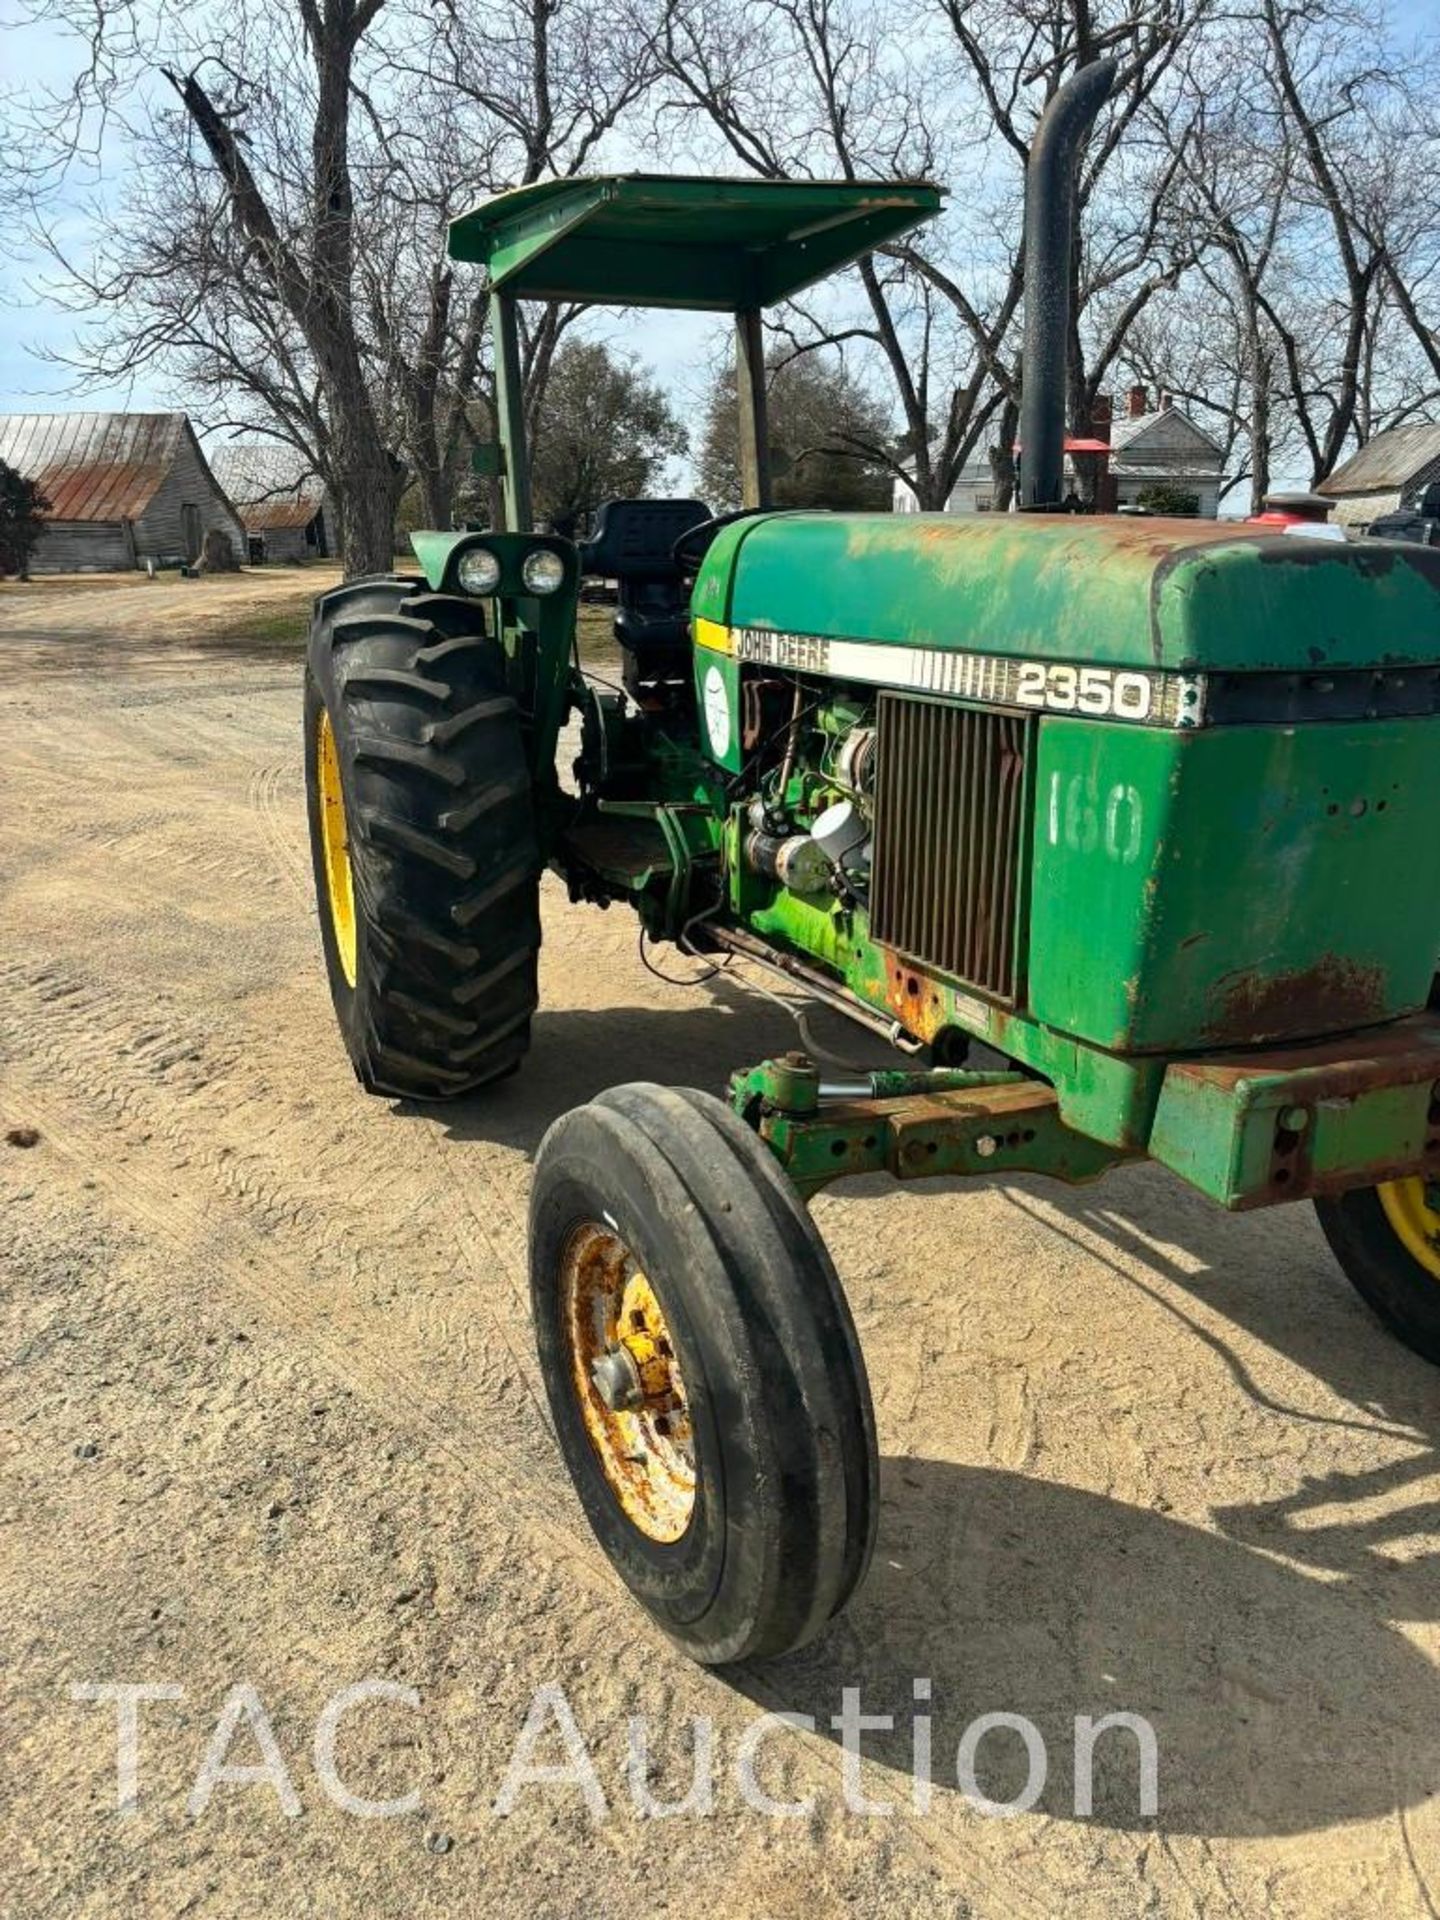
(1159, 446)
(1164, 448)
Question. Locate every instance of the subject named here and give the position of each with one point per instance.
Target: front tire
(1387, 1240)
(703, 1372)
(423, 839)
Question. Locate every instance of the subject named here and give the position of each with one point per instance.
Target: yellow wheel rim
(1415, 1221)
(335, 847)
(626, 1377)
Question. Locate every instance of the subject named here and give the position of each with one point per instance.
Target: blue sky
(680, 347)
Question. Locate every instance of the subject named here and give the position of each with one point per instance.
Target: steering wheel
(688, 551)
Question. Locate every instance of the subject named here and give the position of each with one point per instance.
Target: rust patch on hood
(1332, 995)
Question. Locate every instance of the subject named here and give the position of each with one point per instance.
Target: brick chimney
(1139, 402)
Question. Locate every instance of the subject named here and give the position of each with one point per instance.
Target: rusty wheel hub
(626, 1376)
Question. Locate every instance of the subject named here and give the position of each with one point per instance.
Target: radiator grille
(948, 856)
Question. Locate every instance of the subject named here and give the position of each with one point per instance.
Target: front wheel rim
(625, 1375)
(1416, 1224)
(335, 847)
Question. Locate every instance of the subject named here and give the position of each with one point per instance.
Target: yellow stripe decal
(710, 634)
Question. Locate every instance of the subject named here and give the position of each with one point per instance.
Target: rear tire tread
(436, 806)
(374, 751)
(381, 679)
(442, 733)
(381, 828)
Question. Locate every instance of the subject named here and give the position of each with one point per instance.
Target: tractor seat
(631, 544)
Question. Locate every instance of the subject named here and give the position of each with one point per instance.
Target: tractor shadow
(1265, 1649)
(1270, 1274)
(576, 1053)
(1280, 1703)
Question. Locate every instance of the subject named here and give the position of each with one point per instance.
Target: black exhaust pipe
(1049, 226)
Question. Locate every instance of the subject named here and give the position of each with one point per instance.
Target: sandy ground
(271, 1417)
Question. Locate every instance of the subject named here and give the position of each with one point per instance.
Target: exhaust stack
(1049, 229)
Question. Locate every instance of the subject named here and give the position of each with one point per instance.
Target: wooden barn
(123, 488)
(280, 501)
(1388, 473)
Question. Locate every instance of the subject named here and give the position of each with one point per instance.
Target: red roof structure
(270, 486)
(94, 466)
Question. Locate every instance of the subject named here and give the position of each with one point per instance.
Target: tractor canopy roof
(665, 240)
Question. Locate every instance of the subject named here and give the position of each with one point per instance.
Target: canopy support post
(510, 413)
(754, 439)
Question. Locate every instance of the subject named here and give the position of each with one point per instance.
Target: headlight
(543, 571)
(478, 571)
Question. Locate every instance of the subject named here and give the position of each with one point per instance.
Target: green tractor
(1144, 806)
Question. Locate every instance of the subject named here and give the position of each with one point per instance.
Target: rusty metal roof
(93, 466)
(269, 485)
(1394, 459)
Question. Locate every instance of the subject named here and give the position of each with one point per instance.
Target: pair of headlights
(478, 571)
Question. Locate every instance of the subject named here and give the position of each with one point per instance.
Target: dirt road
(271, 1418)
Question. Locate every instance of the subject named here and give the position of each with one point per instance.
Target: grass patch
(284, 628)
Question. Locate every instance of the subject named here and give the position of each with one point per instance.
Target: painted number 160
(1083, 819)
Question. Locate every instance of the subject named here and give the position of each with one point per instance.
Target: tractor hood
(1179, 595)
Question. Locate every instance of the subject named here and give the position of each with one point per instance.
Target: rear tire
(1381, 1237)
(423, 839)
(736, 1496)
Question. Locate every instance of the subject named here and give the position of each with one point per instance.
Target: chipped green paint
(1249, 1130)
(926, 1126)
(1236, 886)
(1183, 595)
(433, 551)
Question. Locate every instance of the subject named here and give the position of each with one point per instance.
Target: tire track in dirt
(185, 1117)
(275, 809)
(277, 795)
(153, 1096)
(142, 1156)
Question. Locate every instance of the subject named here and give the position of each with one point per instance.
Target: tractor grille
(949, 790)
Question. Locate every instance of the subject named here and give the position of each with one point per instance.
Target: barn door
(190, 531)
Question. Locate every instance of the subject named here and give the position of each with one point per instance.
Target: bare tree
(307, 258)
(1259, 231)
(281, 254)
(528, 90)
(799, 87)
(1315, 223)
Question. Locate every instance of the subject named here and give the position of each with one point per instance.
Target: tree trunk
(438, 497)
(1259, 432)
(317, 289)
(366, 483)
(1002, 456)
